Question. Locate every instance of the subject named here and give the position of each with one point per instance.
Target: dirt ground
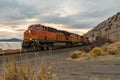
(87, 70)
(75, 70)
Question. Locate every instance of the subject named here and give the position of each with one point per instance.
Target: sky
(77, 16)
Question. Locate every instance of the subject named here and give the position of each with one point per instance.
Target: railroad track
(19, 51)
(32, 55)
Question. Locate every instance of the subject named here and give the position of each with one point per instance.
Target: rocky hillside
(109, 29)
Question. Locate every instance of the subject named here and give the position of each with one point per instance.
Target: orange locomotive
(38, 37)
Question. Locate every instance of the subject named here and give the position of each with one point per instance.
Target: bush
(113, 51)
(76, 54)
(95, 52)
(105, 48)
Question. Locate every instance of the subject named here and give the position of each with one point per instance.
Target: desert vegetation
(12, 70)
(106, 51)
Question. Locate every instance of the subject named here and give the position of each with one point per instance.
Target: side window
(37, 28)
(71, 34)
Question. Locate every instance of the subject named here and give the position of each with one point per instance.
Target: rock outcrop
(109, 29)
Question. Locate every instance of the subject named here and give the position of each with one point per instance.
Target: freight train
(40, 37)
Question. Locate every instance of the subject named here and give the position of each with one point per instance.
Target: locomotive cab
(34, 32)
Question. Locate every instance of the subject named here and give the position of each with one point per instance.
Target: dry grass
(111, 51)
(24, 71)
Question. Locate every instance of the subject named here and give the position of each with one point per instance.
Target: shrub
(113, 51)
(105, 48)
(76, 54)
(95, 52)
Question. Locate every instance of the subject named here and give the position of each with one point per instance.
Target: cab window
(37, 28)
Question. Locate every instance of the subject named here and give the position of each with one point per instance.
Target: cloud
(77, 15)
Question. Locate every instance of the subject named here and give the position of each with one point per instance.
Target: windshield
(35, 28)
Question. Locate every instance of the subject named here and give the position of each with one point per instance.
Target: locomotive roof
(52, 29)
(55, 30)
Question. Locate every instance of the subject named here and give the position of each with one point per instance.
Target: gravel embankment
(74, 70)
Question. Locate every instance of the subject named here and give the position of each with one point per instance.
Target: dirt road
(74, 70)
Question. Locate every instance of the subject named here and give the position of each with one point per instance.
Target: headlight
(29, 31)
(30, 39)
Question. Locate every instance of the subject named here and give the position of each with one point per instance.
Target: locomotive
(40, 37)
